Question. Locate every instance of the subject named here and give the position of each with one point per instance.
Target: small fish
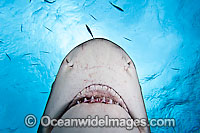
(48, 28)
(10, 130)
(175, 69)
(8, 56)
(173, 129)
(26, 54)
(1, 41)
(35, 64)
(93, 17)
(116, 7)
(21, 28)
(127, 39)
(37, 11)
(50, 1)
(151, 77)
(46, 52)
(44, 92)
(89, 31)
(29, 1)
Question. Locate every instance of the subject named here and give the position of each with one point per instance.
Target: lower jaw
(95, 109)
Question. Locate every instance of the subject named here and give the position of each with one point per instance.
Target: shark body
(96, 78)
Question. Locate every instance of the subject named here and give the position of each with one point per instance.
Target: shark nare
(96, 78)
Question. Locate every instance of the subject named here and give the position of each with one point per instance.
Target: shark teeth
(98, 93)
(85, 99)
(104, 99)
(92, 99)
(110, 101)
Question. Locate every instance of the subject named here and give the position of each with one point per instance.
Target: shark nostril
(70, 64)
(67, 61)
(126, 67)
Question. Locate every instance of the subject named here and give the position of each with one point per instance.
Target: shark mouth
(98, 93)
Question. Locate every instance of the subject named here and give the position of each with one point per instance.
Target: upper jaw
(126, 86)
(98, 93)
(95, 93)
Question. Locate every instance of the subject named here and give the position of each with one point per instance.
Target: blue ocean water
(162, 38)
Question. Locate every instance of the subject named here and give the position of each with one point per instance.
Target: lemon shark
(97, 77)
